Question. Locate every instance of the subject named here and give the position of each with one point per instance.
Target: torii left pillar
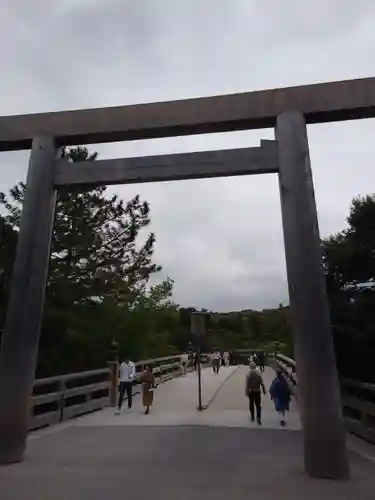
(19, 345)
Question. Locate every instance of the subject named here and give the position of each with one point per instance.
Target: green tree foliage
(99, 289)
(8, 242)
(96, 257)
(349, 265)
(94, 245)
(152, 325)
(243, 330)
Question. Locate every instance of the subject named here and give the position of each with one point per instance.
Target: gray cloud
(221, 239)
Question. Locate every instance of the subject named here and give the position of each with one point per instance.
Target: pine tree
(8, 242)
(94, 245)
(95, 257)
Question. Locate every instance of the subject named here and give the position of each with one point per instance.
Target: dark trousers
(255, 404)
(128, 388)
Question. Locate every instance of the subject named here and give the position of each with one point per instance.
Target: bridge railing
(288, 366)
(63, 397)
(358, 400)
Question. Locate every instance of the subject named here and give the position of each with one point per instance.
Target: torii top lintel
(320, 103)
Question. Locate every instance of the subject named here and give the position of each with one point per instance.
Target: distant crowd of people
(259, 359)
(279, 390)
(217, 359)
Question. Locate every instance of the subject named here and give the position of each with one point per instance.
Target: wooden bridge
(60, 398)
(176, 451)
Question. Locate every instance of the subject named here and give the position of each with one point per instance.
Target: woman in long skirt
(148, 387)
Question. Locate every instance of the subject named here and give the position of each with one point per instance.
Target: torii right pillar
(318, 385)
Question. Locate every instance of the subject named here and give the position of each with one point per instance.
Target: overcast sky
(220, 239)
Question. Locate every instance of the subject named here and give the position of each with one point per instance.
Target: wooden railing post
(161, 372)
(61, 403)
(113, 366)
(113, 371)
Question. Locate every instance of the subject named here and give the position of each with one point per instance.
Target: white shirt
(127, 371)
(184, 358)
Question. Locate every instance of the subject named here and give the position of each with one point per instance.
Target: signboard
(198, 321)
(190, 348)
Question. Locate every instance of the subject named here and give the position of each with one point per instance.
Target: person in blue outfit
(281, 395)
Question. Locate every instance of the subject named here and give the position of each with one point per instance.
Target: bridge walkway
(178, 452)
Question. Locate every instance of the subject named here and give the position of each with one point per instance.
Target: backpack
(254, 381)
(281, 389)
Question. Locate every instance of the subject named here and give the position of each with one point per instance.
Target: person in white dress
(226, 358)
(184, 363)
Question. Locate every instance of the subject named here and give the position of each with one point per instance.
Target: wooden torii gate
(286, 109)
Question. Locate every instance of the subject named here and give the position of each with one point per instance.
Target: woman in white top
(226, 358)
(184, 362)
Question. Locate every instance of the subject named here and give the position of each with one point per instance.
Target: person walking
(148, 388)
(261, 360)
(281, 395)
(254, 385)
(231, 358)
(212, 360)
(126, 377)
(226, 358)
(195, 361)
(216, 362)
(184, 358)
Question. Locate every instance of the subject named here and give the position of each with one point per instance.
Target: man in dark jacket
(261, 360)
